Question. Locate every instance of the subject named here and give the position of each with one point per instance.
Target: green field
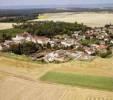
(73, 79)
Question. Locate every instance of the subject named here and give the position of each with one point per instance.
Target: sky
(51, 2)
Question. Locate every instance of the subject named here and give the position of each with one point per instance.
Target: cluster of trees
(105, 53)
(50, 28)
(25, 48)
(4, 37)
(88, 42)
(7, 34)
(18, 19)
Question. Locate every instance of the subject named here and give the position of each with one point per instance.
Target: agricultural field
(92, 19)
(89, 74)
(88, 18)
(22, 77)
(2, 75)
(99, 67)
(73, 79)
(5, 26)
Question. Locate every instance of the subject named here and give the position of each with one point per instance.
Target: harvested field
(20, 81)
(22, 68)
(99, 67)
(88, 18)
(5, 26)
(14, 88)
(2, 75)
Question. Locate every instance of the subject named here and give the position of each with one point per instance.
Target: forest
(50, 28)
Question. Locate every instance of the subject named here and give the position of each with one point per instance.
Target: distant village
(80, 45)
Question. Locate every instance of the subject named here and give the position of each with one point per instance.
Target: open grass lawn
(73, 79)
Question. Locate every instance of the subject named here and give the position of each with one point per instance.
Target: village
(80, 45)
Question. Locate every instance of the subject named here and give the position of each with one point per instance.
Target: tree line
(18, 19)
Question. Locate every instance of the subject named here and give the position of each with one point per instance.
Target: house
(79, 55)
(111, 41)
(28, 37)
(57, 56)
(77, 45)
(38, 39)
(89, 50)
(86, 57)
(76, 34)
(102, 47)
(50, 57)
(106, 39)
(76, 54)
(41, 39)
(100, 37)
(52, 43)
(8, 42)
(98, 29)
(1, 48)
(111, 27)
(102, 42)
(67, 42)
(94, 46)
(18, 39)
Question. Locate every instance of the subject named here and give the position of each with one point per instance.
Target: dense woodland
(50, 28)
